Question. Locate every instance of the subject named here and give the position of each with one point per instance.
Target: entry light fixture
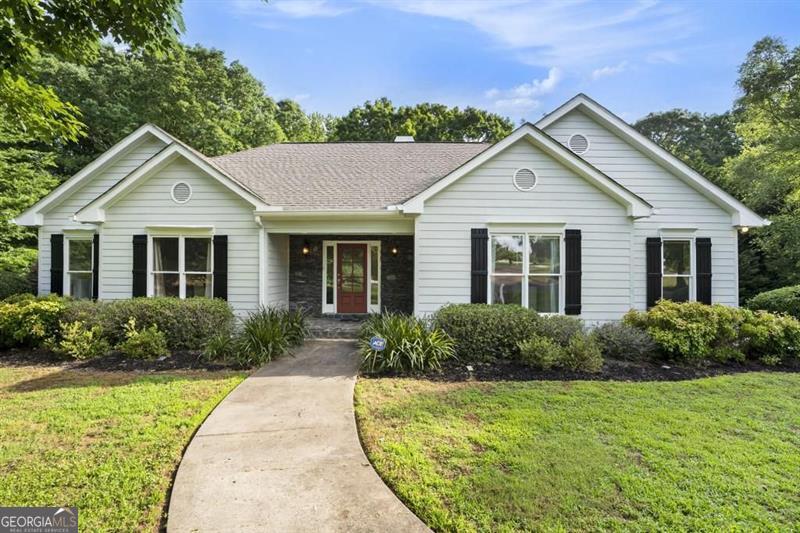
(744, 229)
(394, 250)
(306, 248)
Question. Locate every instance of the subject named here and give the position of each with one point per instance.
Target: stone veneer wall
(397, 271)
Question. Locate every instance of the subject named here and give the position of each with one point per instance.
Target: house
(576, 214)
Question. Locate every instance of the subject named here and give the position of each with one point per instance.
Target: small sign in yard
(377, 343)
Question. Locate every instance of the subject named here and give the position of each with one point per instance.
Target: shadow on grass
(76, 378)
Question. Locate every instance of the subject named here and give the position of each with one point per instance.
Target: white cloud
(290, 8)
(523, 97)
(516, 106)
(663, 56)
(609, 70)
(566, 33)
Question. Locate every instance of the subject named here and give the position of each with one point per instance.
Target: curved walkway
(281, 453)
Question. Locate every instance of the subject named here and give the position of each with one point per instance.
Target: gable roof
(33, 215)
(94, 211)
(741, 214)
(345, 176)
(637, 206)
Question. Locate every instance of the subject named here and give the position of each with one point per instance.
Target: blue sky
(520, 59)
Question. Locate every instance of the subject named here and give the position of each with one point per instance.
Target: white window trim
(66, 285)
(526, 266)
(329, 309)
(692, 270)
(181, 262)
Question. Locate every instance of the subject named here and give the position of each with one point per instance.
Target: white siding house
(578, 214)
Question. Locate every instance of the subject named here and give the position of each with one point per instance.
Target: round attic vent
(524, 179)
(181, 192)
(578, 143)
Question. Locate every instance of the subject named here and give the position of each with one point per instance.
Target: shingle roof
(349, 176)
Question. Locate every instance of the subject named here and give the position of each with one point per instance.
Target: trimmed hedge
(698, 333)
(784, 300)
(187, 324)
(483, 332)
(27, 321)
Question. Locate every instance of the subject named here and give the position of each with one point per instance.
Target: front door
(351, 285)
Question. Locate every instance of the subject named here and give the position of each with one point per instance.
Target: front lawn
(709, 454)
(106, 442)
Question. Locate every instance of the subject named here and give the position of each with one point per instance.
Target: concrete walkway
(281, 453)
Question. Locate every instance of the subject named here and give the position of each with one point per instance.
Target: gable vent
(181, 192)
(524, 179)
(578, 143)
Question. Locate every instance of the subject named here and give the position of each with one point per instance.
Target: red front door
(351, 285)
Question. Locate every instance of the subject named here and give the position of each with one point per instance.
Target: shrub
(12, 282)
(28, 321)
(540, 352)
(410, 344)
(187, 324)
(146, 343)
(770, 337)
(691, 331)
(79, 342)
(560, 328)
(262, 338)
(582, 354)
(695, 332)
(784, 300)
(623, 341)
(221, 347)
(483, 332)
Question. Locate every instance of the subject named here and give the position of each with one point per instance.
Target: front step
(334, 328)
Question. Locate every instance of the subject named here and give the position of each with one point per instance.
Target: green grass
(106, 442)
(713, 454)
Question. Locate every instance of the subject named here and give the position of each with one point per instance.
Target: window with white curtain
(526, 270)
(80, 263)
(182, 267)
(677, 273)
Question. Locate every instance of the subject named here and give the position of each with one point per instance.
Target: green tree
(701, 141)
(382, 121)
(766, 174)
(70, 30)
(297, 125)
(24, 179)
(194, 94)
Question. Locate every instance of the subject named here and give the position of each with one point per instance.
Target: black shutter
(57, 264)
(703, 258)
(96, 267)
(221, 266)
(480, 265)
(572, 271)
(653, 271)
(139, 287)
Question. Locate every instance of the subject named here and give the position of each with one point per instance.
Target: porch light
(394, 250)
(306, 248)
(744, 229)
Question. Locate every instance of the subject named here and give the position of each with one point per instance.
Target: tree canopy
(382, 121)
(70, 30)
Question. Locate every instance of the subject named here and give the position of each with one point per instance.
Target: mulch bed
(114, 362)
(613, 370)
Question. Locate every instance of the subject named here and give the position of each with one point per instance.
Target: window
(374, 275)
(329, 271)
(182, 267)
(677, 276)
(526, 270)
(80, 263)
